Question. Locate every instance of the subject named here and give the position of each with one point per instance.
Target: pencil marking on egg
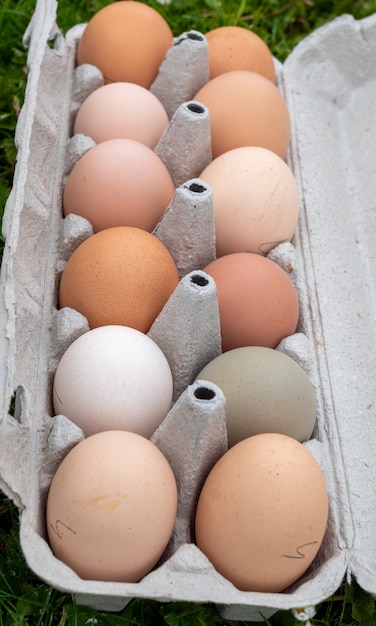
(299, 554)
(59, 527)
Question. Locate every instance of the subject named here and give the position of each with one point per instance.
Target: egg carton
(329, 82)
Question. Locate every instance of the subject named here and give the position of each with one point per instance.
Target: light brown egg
(127, 41)
(119, 182)
(237, 48)
(246, 109)
(121, 275)
(262, 513)
(258, 303)
(111, 507)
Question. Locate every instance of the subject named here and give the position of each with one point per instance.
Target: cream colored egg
(255, 199)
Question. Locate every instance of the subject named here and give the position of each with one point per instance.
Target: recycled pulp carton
(329, 82)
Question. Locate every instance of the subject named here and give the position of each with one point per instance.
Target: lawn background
(24, 599)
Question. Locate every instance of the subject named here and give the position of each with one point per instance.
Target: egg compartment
(34, 332)
(75, 231)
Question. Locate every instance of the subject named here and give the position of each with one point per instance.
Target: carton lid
(329, 81)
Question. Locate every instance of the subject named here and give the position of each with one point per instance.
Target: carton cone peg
(187, 135)
(76, 230)
(192, 437)
(191, 313)
(183, 72)
(86, 79)
(187, 227)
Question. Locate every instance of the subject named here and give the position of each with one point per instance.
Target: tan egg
(127, 41)
(262, 513)
(255, 199)
(237, 48)
(111, 507)
(246, 109)
(121, 275)
(257, 300)
(119, 182)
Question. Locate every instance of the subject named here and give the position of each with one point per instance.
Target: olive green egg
(266, 391)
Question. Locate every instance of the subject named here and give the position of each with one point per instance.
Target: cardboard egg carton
(329, 82)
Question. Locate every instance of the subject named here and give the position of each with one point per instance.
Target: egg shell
(111, 507)
(237, 48)
(121, 275)
(265, 391)
(122, 110)
(258, 303)
(127, 41)
(255, 200)
(246, 109)
(107, 186)
(113, 378)
(262, 513)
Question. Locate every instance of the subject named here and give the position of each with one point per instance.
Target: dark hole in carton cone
(195, 36)
(196, 188)
(201, 281)
(195, 107)
(204, 393)
(192, 35)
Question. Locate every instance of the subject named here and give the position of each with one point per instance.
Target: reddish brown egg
(121, 275)
(127, 41)
(258, 303)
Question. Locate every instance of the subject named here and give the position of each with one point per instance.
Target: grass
(24, 599)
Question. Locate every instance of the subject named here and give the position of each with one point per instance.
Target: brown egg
(258, 303)
(121, 275)
(237, 48)
(262, 513)
(127, 41)
(246, 109)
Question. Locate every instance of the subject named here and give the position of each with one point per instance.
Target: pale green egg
(266, 391)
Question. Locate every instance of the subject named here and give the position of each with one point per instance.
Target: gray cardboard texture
(330, 86)
(329, 82)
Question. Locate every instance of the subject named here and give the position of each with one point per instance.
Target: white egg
(113, 378)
